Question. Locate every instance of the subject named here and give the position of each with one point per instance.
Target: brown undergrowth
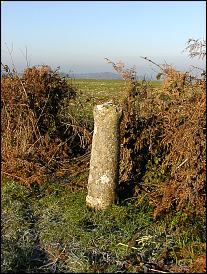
(163, 141)
(38, 136)
(180, 151)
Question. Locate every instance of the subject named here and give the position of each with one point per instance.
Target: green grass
(101, 90)
(48, 223)
(94, 92)
(91, 93)
(50, 229)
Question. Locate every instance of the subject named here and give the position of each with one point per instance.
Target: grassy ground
(101, 90)
(50, 230)
(93, 92)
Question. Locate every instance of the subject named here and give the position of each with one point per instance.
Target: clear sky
(78, 35)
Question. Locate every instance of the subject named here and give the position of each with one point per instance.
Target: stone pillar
(103, 175)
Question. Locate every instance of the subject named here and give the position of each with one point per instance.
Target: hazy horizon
(142, 67)
(77, 35)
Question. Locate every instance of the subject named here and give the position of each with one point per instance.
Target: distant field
(92, 92)
(104, 89)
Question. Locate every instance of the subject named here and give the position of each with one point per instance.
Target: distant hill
(96, 75)
(99, 76)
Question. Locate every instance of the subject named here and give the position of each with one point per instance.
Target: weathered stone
(104, 161)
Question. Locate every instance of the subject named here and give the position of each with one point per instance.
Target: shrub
(36, 139)
(163, 141)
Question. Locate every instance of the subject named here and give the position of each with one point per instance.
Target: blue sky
(78, 35)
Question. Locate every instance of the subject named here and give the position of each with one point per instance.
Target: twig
(182, 163)
(146, 58)
(61, 144)
(42, 109)
(127, 246)
(55, 261)
(159, 271)
(28, 150)
(26, 57)
(10, 54)
(14, 68)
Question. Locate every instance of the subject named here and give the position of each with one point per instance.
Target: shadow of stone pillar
(104, 163)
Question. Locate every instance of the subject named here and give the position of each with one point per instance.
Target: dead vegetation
(164, 128)
(38, 136)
